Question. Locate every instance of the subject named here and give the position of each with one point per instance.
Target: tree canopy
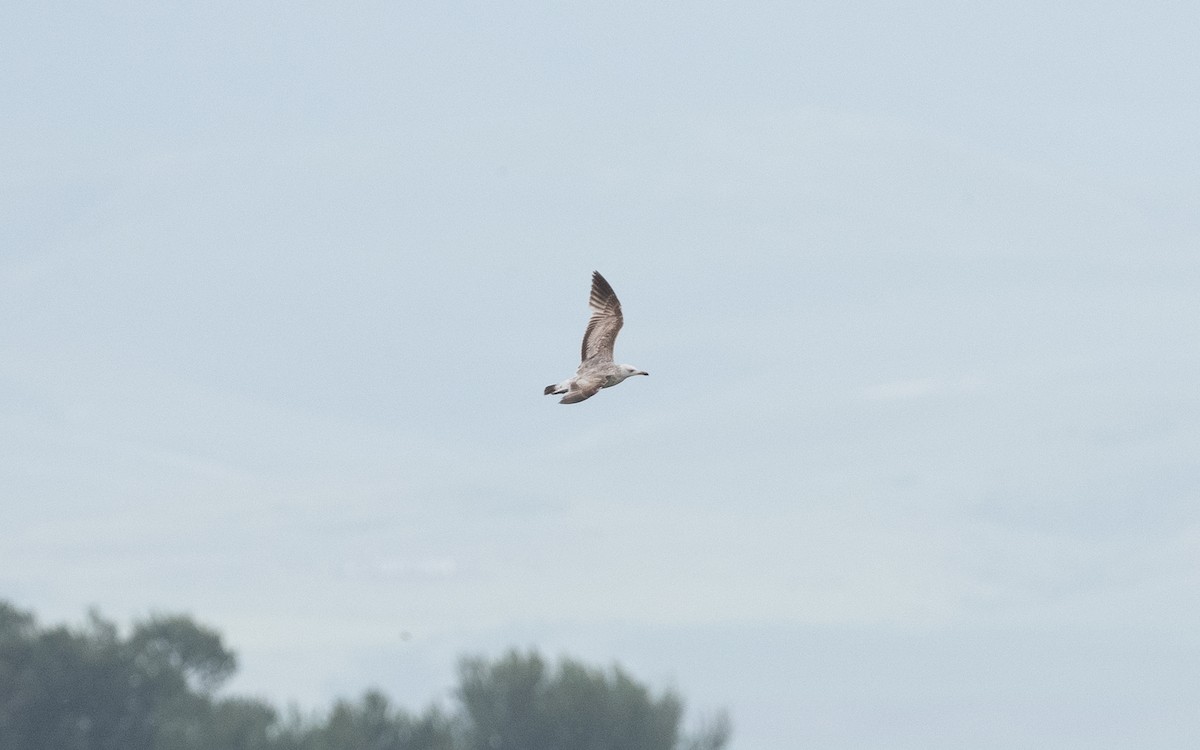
(90, 688)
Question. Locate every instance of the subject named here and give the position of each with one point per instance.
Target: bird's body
(597, 369)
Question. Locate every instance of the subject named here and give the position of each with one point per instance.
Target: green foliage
(90, 689)
(230, 724)
(67, 689)
(181, 653)
(371, 724)
(518, 703)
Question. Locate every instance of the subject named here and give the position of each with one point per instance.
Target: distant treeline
(90, 688)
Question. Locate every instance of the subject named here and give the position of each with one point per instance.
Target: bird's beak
(642, 373)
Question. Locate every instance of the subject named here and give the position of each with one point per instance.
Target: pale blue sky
(917, 464)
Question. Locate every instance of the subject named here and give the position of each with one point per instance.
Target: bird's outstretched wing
(582, 390)
(605, 323)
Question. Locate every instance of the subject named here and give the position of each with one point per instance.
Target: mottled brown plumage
(596, 369)
(605, 323)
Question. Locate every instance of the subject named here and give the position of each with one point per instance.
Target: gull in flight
(597, 369)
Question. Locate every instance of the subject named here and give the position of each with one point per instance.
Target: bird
(597, 369)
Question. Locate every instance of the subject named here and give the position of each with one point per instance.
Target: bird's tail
(554, 388)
